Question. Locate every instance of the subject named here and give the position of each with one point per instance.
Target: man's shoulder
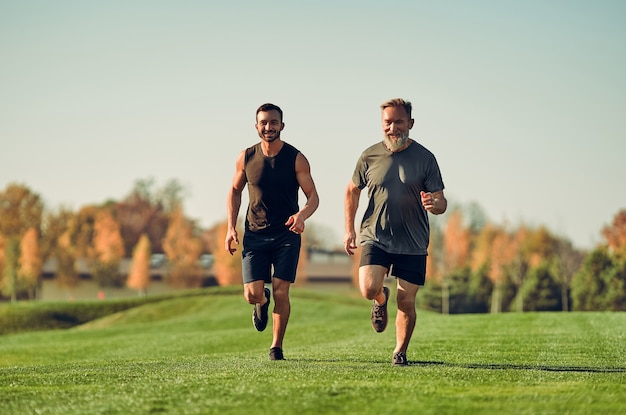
(290, 147)
(290, 150)
(252, 150)
(419, 148)
(375, 148)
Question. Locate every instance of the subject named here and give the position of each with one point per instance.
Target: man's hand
(349, 242)
(295, 223)
(428, 200)
(231, 236)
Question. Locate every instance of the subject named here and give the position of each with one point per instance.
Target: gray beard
(396, 145)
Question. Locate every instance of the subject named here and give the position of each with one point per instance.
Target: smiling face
(396, 126)
(269, 125)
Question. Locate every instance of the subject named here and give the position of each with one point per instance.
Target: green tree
(614, 298)
(541, 289)
(567, 261)
(588, 285)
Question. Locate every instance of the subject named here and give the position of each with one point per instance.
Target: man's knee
(254, 292)
(406, 301)
(280, 289)
(371, 280)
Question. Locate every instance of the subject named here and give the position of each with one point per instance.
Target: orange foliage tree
(183, 249)
(615, 234)
(502, 254)
(66, 273)
(2, 246)
(30, 263)
(139, 273)
(107, 250)
(480, 256)
(226, 267)
(456, 247)
(20, 210)
(57, 244)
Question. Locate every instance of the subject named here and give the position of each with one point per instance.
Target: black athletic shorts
(261, 253)
(411, 268)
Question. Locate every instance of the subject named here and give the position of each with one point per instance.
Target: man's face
(396, 126)
(269, 125)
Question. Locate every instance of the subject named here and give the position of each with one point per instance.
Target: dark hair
(398, 102)
(270, 107)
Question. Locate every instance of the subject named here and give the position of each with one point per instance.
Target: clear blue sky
(522, 102)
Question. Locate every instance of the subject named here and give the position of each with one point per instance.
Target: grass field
(199, 354)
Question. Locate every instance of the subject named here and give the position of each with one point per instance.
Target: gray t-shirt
(395, 219)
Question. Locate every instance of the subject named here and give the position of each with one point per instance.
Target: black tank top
(272, 188)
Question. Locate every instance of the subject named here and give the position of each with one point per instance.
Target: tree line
(148, 220)
(474, 266)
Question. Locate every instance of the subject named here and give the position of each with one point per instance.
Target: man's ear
(411, 122)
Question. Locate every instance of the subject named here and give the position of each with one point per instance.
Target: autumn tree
(480, 256)
(58, 243)
(226, 267)
(503, 252)
(2, 247)
(30, 263)
(183, 247)
(601, 282)
(66, 273)
(10, 286)
(83, 229)
(615, 234)
(20, 210)
(456, 248)
(146, 211)
(139, 273)
(106, 251)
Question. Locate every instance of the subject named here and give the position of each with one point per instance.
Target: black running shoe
(399, 359)
(276, 353)
(379, 313)
(259, 314)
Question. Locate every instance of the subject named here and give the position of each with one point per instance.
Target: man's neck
(273, 148)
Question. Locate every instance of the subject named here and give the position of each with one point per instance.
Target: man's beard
(395, 145)
(270, 139)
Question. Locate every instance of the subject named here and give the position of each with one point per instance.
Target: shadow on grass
(547, 368)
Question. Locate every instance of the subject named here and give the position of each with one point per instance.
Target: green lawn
(199, 354)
